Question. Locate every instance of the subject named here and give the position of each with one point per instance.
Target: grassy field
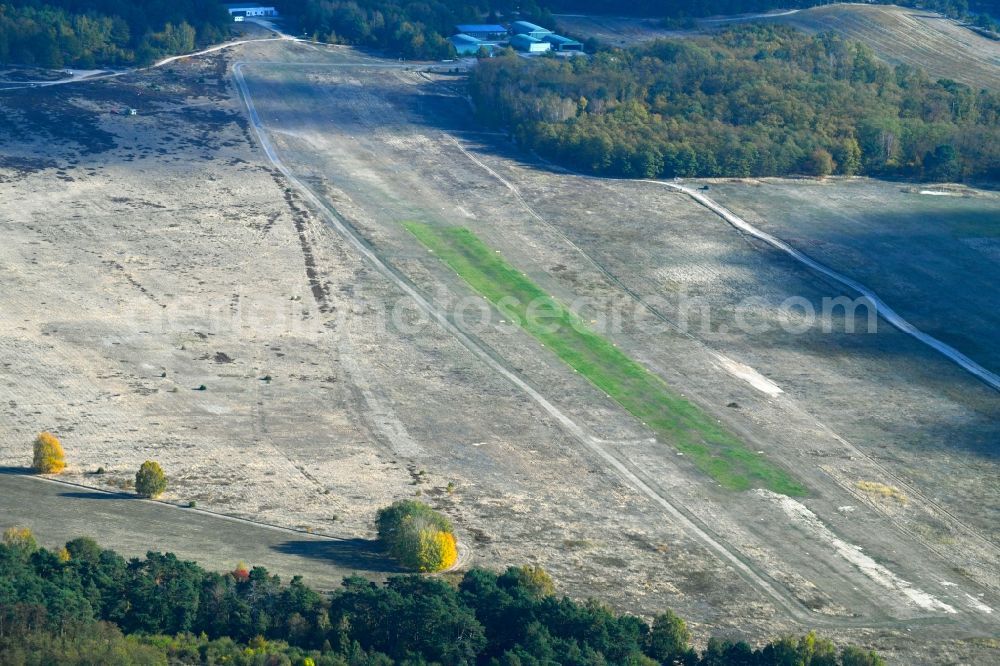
(940, 46)
(915, 37)
(709, 446)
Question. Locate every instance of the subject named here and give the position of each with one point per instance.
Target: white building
(528, 44)
(239, 12)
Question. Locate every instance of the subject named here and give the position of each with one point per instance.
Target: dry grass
(885, 491)
(915, 37)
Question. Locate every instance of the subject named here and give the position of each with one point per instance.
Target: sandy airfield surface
(147, 257)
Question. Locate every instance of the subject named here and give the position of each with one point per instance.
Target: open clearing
(614, 30)
(921, 38)
(152, 255)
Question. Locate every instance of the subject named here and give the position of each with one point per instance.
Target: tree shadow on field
(97, 495)
(23, 471)
(366, 554)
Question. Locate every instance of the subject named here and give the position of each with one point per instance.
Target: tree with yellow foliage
(437, 552)
(418, 537)
(21, 540)
(150, 481)
(49, 455)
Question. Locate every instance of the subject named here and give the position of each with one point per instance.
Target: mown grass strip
(712, 448)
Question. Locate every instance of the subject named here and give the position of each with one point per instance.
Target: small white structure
(241, 11)
(528, 44)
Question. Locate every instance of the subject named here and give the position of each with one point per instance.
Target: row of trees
(174, 611)
(750, 101)
(74, 33)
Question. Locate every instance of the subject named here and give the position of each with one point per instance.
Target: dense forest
(751, 101)
(86, 605)
(88, 33)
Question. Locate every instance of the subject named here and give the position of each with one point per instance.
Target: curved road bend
(883, 309)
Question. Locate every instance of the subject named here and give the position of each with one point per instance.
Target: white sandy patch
(978, 605)
(749, 375)
(940, 193)
(853, 554)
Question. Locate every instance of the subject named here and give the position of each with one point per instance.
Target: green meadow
(674, 420)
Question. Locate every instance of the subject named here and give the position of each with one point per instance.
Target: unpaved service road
(178, 256)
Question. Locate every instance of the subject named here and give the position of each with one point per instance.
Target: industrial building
(529, 44)
(562, 44)
(522, 36)
(484, 32)
(529, 29)
(241, 11)
(466, 45)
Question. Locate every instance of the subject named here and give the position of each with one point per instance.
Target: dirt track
(883, 309)
(182, 258)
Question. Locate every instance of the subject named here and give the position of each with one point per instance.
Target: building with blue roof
(486, 32)
(529, 29)
(562, 44)
(466, 45)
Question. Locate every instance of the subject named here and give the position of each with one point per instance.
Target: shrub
(882, 490)
(532, 579)
(21, 540)
(437, 552)
(854, 656)
(398, 515)
(150, 481)
(820, 163)
(668, 640)
(84, 549)
(241, 573)
(417, 536)
(49, 455)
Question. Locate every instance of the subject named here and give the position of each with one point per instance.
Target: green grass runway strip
(712, 448)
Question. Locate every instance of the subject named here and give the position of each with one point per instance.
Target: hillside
(940, 46)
